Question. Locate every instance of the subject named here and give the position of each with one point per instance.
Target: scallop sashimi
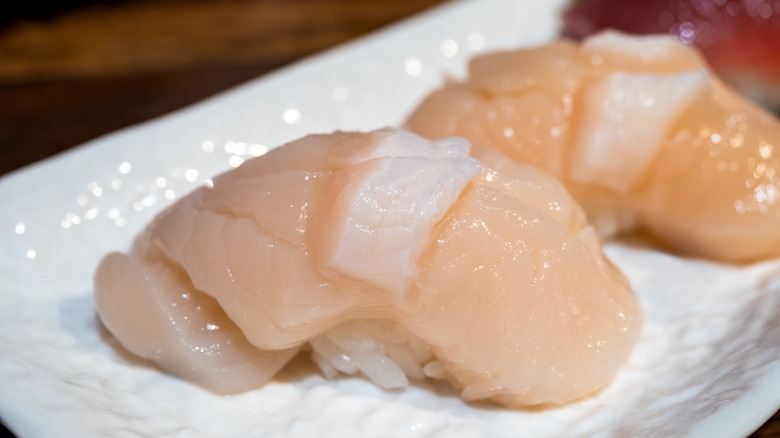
(638, 130)
(385, 255)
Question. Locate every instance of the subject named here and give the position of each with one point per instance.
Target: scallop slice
(553, 320)
(152, 308)
(625, 118)
(385, 210)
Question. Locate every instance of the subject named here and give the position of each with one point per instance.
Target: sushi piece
(739, 38)
(382, 254)
(638, 131)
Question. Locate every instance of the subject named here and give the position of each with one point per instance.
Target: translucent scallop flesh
(381, 254)
(639, 131)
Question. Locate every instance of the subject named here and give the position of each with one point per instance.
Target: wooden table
(71, 74)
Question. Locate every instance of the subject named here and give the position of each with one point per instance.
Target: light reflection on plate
(709, 359)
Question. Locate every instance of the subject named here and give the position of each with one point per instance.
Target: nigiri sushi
(637, 129)
(382, 254)
(739, 38)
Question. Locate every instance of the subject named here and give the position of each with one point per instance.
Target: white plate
(707, 365)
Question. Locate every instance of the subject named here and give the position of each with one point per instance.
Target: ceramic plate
(708, 362)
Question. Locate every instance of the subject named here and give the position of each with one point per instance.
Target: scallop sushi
(380, 254)
(638, 130)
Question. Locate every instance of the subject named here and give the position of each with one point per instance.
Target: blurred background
(73, 70)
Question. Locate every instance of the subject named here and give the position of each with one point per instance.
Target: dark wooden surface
(80, 69)
(69, 75)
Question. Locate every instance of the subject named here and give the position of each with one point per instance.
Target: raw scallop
(387, 255)
(638, 130)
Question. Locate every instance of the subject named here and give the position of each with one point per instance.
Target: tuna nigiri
(385, 255)
(637, 129)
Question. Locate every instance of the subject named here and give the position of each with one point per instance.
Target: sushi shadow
(642, 239)
(429, 394)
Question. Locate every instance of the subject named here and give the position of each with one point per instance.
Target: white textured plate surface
(708, 363)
